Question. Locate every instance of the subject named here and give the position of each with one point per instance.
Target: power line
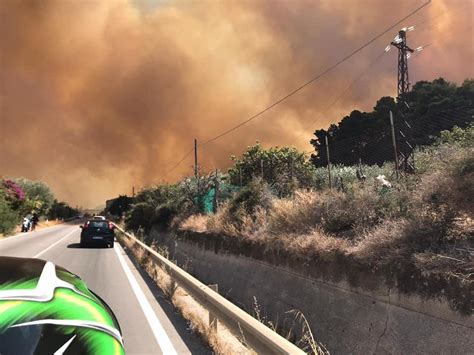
(340, 96)
(316, 77)
(447, 116)
(293, 92)
(179, 162)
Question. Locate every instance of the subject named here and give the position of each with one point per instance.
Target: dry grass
(298, 325)
(223, 342)
(249, 226)
(197, 223)
(307, 341)
(386, 241)
(405, 225)
(317, 242)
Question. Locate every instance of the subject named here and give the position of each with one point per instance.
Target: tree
(61, 210)
(8, 217)
(156, 206)
(38, 194)
(120, 205)
(283, 168)
(13, 193)
(193, 190)
(432, 107)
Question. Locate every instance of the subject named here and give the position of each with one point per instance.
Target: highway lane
(148, 321)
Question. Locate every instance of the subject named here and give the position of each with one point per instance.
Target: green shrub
(348, 174)
(284, 168)
(39, 196)
(159, 206)
(461, 137)
(8, 217)
(255, 194)
(140, 216)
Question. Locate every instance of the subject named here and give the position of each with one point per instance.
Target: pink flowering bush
(13, 191)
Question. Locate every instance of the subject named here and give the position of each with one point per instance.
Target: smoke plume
(100, 96)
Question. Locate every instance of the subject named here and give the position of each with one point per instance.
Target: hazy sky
(98, 96)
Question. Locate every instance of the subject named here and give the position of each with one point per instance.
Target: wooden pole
(195, 159)
(329, 161)
(394, 142)
(240, 175)
(215, 202)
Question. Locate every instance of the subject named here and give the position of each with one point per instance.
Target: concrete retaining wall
(346, 319)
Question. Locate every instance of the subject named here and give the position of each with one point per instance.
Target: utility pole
(404, 52)
(133, 191)
(261, 167)
(394, 142)
(329, 161)
(292, 166)
(195, 158)
(240, 175)
(404, 153)
(215, 201)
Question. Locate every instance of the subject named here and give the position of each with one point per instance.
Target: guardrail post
(212, 316)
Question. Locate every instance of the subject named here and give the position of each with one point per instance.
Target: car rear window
(99, 224)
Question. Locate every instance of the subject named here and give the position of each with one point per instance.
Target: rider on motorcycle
(34, 221)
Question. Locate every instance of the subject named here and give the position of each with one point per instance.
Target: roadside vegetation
(421, 223)
(416, 232)
(280, 200)
(20, 197)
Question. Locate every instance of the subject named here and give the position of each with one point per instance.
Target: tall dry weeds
(303, 336)
(196, 223)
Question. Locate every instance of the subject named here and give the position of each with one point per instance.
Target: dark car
(97, 231)
(45, 309)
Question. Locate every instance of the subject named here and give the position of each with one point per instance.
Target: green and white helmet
(45, 309)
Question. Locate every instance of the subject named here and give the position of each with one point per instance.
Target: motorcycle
(25, 225)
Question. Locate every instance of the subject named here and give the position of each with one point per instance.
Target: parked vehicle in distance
(98, 231)
(102, 218)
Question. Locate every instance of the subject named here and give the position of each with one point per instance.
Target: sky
(99, 96)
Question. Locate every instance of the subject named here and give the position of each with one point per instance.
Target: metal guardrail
(261, 338)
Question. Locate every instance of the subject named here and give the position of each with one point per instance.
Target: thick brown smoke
(98, 96)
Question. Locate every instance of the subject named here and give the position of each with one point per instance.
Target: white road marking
(52, 245)
(158, 331)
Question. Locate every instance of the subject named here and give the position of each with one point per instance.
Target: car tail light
(86, 225)
(111, 225)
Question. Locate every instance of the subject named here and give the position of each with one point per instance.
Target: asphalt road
(148, 321)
